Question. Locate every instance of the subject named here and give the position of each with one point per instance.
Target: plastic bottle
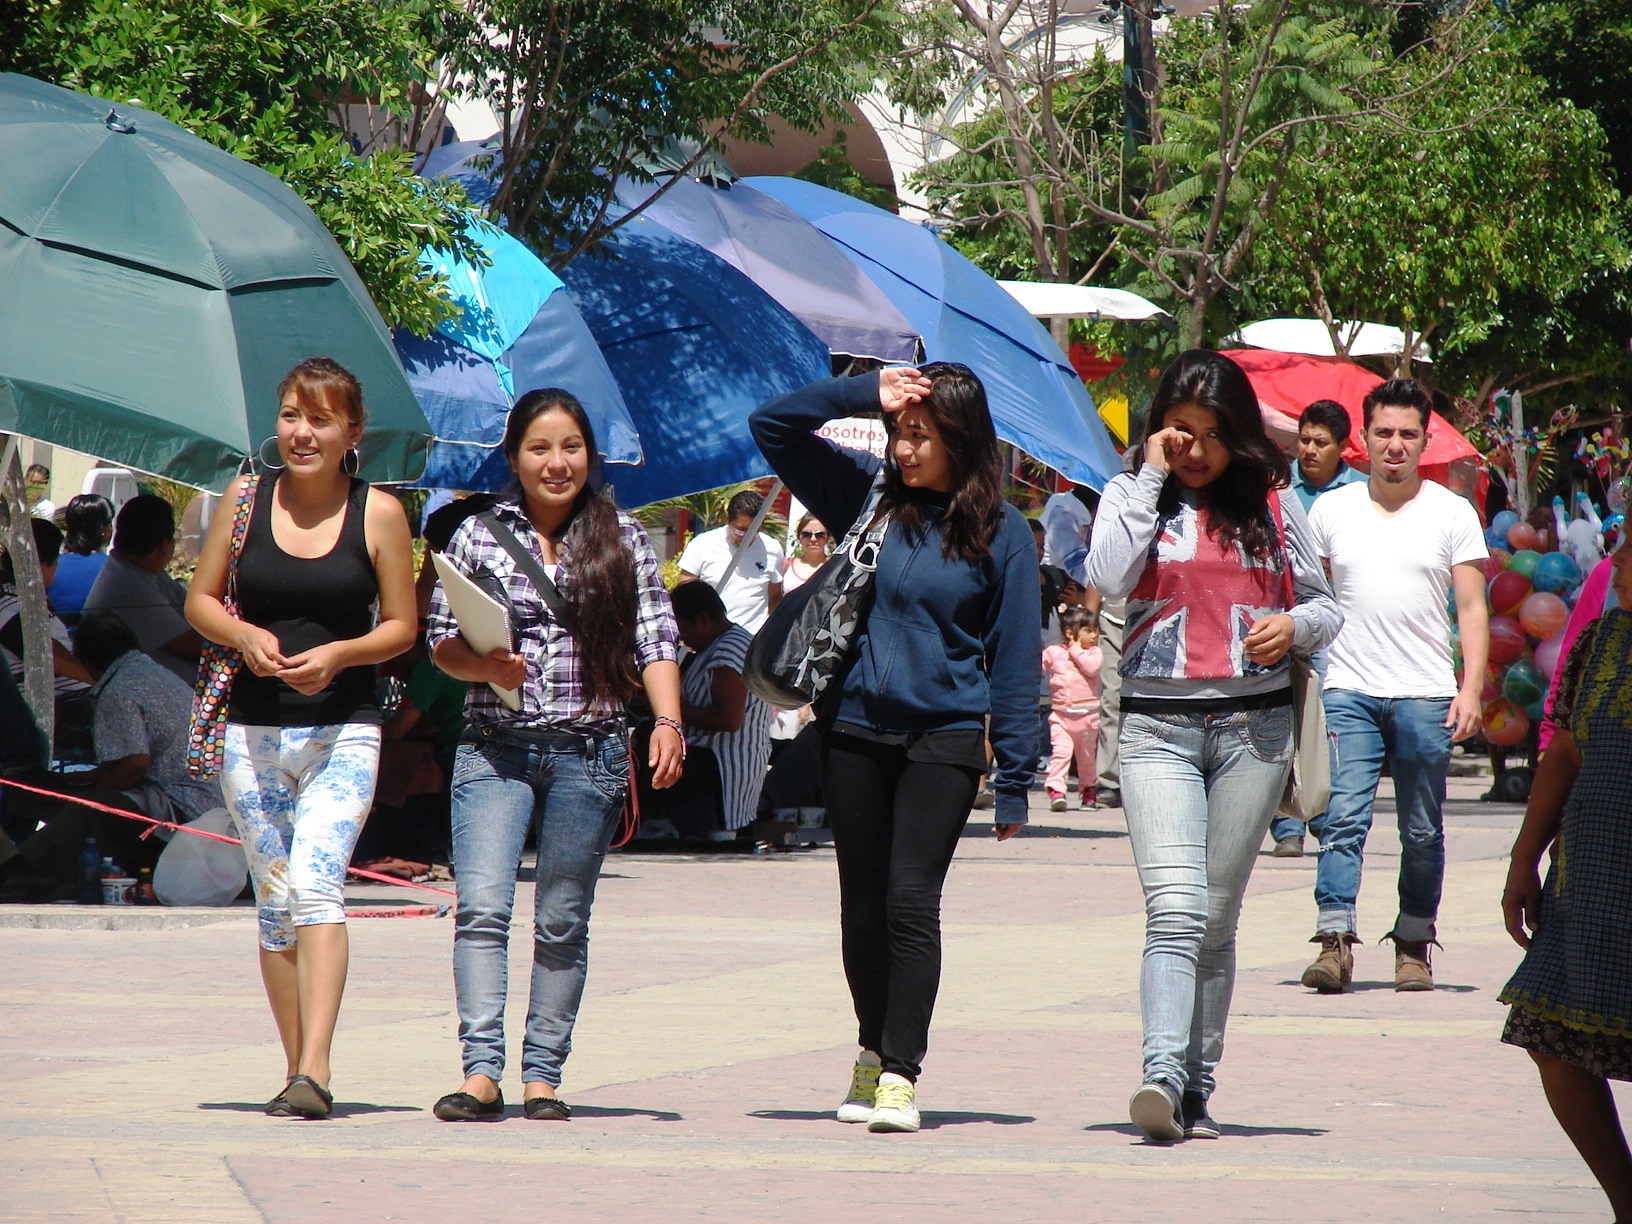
(90, 874)
(144, 887)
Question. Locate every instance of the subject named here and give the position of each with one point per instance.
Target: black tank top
(306, 602)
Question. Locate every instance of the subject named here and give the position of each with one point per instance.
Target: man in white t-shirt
(1396, 546)
(752, 585)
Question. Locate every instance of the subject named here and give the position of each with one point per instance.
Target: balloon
(1556, 572)
(1524, 562)
(1491, 691)
(1543, 614)
(1496, 562)
(1547, 655)
(1524, 684)
(1504, 520)
(1494, 538)
(1507, 640)
(1583, 542)
(1506, 592)
(1522, 536)
(1505, 723)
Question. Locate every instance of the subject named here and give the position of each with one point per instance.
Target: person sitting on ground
(89, 519)
(720, 714)
(141, 720)
(134, 585)
(73, 682)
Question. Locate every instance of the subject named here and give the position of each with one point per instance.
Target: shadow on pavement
(932, 1118)
(1244, 1132)
(1365, 987)
(342, 1109)
(615, 1111)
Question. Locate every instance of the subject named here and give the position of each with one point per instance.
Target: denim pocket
(1139, 732)
(606, 764)
(1268, 733)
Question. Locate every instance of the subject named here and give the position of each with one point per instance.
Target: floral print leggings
(300, 796)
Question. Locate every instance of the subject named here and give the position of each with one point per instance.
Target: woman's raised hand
(901, 387)
(1165, 446)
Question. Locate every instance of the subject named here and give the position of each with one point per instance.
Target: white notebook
(484, 622)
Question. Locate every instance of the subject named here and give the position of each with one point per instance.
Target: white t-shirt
(746, 593)
(1067, 525)
(1392, 576)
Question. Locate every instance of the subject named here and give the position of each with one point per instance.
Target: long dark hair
(1238, 501)
(598, 571)
(957, 405)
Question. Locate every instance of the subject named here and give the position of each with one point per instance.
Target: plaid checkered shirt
(552, 697)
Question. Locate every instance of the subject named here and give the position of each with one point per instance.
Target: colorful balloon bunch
(1530, 594)
(1603, 450)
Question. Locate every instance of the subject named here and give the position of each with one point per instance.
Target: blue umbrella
(696, 346)
(1037, 400)
(519, 331)
(785, 256)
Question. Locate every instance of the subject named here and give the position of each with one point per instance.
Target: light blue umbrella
(1037, 401)
(786, 256)
(519, 331)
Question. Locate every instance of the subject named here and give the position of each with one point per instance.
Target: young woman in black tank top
(303, 736)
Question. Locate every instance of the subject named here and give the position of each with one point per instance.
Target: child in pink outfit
(1073, 675)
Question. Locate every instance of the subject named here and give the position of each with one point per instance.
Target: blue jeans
(574, 788)
(1411, 732)
(1198, 791)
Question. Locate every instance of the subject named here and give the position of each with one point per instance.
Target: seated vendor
(73, 703)
(140, 733)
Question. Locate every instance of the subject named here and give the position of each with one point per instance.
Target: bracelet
(673, 724)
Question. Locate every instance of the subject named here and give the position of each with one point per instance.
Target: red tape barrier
(220, 837)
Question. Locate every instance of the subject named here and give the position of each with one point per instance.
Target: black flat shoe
(279, 1107)
(547, 1109)
(467, 1107)
(308, 1098)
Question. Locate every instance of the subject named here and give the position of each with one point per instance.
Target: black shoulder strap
(553, 599)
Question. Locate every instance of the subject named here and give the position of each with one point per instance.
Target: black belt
(1207, 705)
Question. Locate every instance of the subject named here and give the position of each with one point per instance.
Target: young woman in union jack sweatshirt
(1218, 567)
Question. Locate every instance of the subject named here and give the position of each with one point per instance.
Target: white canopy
(1048, 300)
(1310, 336)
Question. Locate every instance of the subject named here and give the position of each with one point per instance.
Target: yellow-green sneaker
(893, 1109)
(858, 1104)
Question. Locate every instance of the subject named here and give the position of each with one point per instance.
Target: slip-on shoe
(547, 1109)
(468, 1107)
(308, 1098)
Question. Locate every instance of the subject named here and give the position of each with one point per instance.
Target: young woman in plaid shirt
(561, 759)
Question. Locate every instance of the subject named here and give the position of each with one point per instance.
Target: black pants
(895, 825)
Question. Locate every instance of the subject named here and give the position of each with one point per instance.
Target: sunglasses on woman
(813, 535)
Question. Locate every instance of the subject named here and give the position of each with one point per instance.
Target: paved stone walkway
(715, 1041)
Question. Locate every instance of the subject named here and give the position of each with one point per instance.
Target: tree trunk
(39, 685)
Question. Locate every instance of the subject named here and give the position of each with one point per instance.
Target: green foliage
(1492, 236)
(589, 91)
(269, 81)
(831, 168)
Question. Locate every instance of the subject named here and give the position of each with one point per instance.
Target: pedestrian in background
(322, 551)
(1221, 579)
(1072, 666)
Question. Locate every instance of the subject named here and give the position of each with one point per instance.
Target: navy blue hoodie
(946, 641)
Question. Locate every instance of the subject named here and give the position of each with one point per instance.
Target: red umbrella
(1287, 383)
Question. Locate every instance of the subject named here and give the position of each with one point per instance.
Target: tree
(588, 92)
(276, 82)
(1246, 87)
(1491, 239)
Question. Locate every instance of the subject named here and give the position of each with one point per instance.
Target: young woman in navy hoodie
(951, 640)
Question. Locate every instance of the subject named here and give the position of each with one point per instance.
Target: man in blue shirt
(1322, 430)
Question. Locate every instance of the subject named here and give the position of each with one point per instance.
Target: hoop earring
(260, 455)
(351, 462)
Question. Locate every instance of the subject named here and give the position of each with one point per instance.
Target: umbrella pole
(39, 689)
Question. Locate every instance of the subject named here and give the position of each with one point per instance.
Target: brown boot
(1333, 970)
(1411, 968)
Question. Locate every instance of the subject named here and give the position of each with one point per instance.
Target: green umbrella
(154, 289)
